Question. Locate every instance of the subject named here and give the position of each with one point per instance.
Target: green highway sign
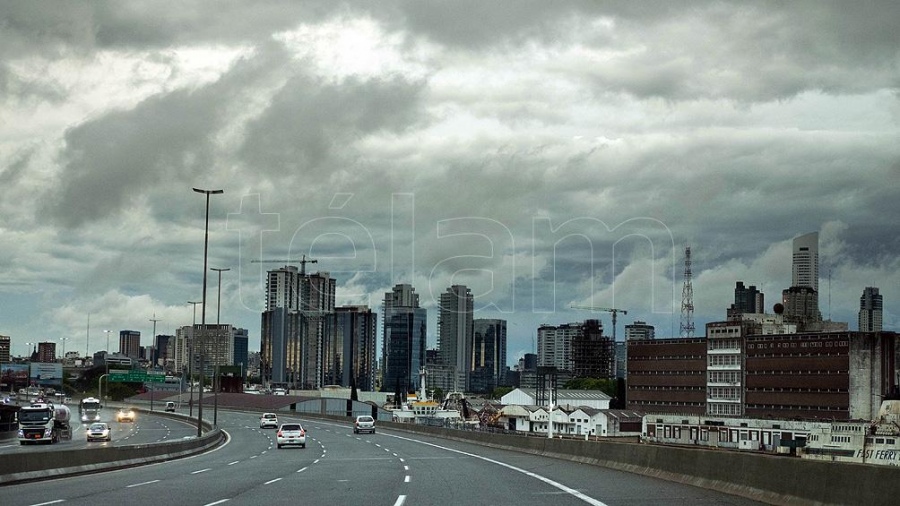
(135, 377)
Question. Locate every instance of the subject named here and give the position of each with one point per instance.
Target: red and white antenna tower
(687, 298)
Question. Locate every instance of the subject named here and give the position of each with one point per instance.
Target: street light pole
(218, 338)
(106, 356)
(203, 312)
(191, 361)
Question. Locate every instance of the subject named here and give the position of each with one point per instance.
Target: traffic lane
(146, 429)
(443, 465)
(244, 462)
(565, 478)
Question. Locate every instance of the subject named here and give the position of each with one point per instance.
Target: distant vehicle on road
(98, 432)
(268, 420)
(364, 423)
(44, 423)
(170, 407)
(291, 434)
(89, 409)
(125, 415)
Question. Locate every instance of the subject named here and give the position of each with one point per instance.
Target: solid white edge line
(139, 484)
(571, 491)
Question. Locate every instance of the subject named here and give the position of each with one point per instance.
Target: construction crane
(612, 310)
(302, 263)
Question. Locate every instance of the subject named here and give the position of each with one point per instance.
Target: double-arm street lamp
(218, 338)
(203, 311)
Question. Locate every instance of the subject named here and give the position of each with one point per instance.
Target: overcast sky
(543, 153)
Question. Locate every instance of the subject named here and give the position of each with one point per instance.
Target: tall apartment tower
(639, 330)
(554, 344)
(130, 344)
(317, 292)
(455, 328)
(404, 335)
(488, 354)
(298, 309)
(805, 265)
(870, 310)
(349, 353)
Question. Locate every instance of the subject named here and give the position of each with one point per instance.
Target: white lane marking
(48, 502)
(401, 460)
(406, 480)
(400, 500)
(233, 463)
(202, 470)
(220, 501)
(272, 481)
(302, 469)
(548, 481)
(144, 483)
(406, 468)
(316, 461)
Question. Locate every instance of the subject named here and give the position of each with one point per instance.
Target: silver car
(364, 423)
(98, 432)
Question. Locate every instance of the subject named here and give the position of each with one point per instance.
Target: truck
(89, 410)
(44, 423)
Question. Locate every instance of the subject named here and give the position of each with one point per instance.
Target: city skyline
(552, 156)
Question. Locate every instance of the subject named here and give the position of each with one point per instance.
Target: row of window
(794, 344)
(792, 407)
(800, 390)
(789, 372)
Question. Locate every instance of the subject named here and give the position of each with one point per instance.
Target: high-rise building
(404, 339)
(593, 354)
(241, 350)
(748, 299)
(349, 352)
(555, 345)
(130, 344)
(870, 310)
(801, 300)
(455, 333)
(294, 324)
(161, 350)
(5, 349)
(488, 354)
(639, 330)
(317, 292)
(805, 265)
(46, 352)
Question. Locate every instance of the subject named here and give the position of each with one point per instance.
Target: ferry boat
(876, 442)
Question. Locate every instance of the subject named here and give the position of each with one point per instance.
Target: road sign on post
(136, 377)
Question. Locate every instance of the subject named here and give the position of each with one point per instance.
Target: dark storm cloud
(310, 125)
(114, 159)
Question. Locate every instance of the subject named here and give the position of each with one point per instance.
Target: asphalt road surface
(146, 428)
(338, 467)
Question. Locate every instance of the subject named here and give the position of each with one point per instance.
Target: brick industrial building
(833, 375)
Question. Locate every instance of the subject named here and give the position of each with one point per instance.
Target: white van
(170, 407)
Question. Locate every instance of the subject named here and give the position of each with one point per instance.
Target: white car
(98, 432)
(291, 434)
(364, 424)
(268, 420)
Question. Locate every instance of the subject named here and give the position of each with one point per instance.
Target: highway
(337, 467)
(145, 429)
